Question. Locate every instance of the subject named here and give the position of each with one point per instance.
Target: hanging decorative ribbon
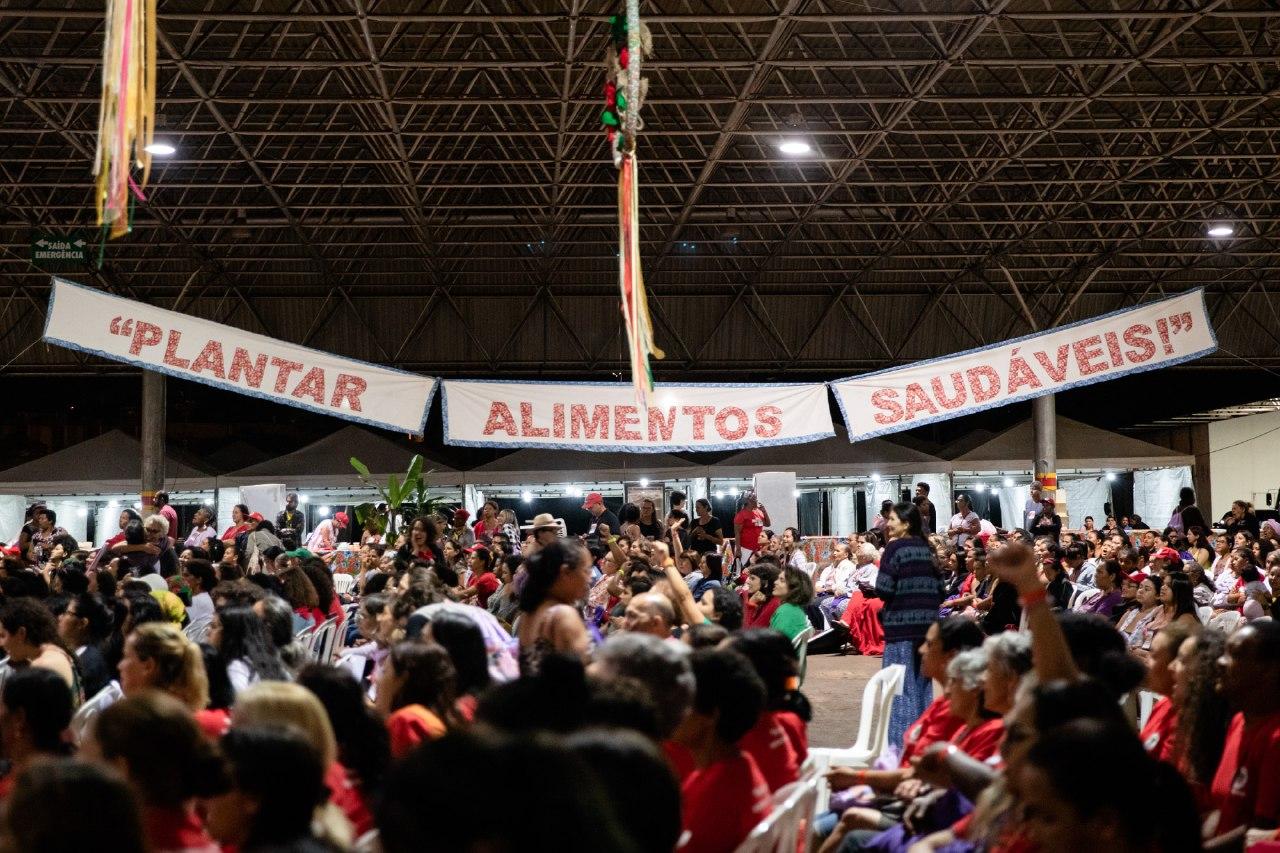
(126, 122)
(624, 93)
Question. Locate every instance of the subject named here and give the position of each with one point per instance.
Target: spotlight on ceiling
(160, 149)
(1221, 229)
(794, 147)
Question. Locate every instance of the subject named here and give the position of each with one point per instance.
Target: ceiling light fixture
(794, 147)
(160, 149)
(1221, 229)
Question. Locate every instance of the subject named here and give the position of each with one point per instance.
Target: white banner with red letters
(606, 417)
(1146, 337)
(89, 320)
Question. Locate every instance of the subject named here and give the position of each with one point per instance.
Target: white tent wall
(73, 517)
(843, 510)
(13, 510)
(884, 489)
(473, 500)
(699, 488)
(777, 491)
(1086, 496)
(267, 499)
(1244, 461)
(227, 498)
(1012, 500)
(1155, 493)
(106, 522)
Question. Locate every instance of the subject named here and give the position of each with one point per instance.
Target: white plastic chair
(801, 644)
(789, 826)
(321, 643)
(873, 727)
(1146, 701)
(342, 583)
(1205, 612)
(101, 701)
(1226, 622)
(198, 629)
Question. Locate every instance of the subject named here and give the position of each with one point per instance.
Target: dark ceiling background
(425, 184)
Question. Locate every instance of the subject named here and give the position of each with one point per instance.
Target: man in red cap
(1163, 561)
(327, 533)
(459, 532)
(600, 515)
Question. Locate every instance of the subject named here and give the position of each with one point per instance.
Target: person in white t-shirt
(964, 523)
(865, 569)
(824, 584)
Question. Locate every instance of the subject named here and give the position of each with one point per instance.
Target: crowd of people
(648, 675)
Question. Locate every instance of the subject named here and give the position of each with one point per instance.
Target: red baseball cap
(476, 547)
(1136, 578)
(592, 499)
(256, 516)
(461, 514)
(1167, 554)
(341, 518)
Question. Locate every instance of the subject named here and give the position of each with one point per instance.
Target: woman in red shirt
(239, 523)
(301, 594)
(417, 689)
(779, 741)
(1159, 733)
(488, 524)
(483, 582)
(758, 602)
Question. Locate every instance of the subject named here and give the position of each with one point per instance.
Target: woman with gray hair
(966, 690)
(662, 667)
(1008, 657)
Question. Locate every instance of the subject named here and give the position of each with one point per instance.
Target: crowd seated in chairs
(312, 711)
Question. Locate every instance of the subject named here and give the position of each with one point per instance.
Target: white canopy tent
(831, 457)
(110, 464)
(95, 477)
(326, 464)
(1085, 455)
(535, 466)
(1080, 448)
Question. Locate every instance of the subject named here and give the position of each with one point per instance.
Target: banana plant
(395, 492)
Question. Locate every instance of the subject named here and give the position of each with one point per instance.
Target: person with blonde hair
(283, 703)
(158, 656)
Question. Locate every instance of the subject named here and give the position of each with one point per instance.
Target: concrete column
(1045, 464)
(153, 430)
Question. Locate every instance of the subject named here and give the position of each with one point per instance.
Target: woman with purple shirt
(1107, 579)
